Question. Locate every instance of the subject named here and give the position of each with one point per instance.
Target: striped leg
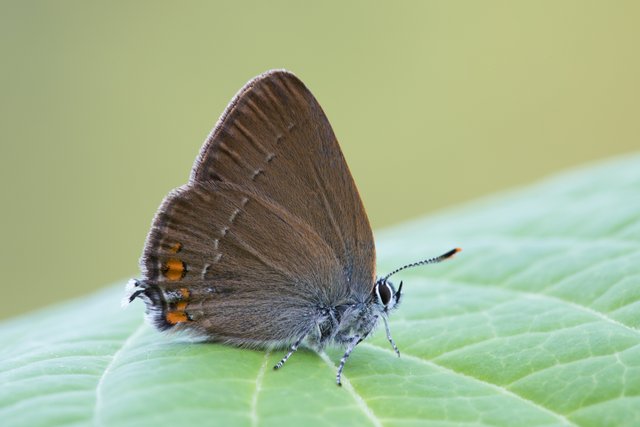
(354, 342)
(393, 344)
(292, 350)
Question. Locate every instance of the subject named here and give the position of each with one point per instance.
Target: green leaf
(536, 323)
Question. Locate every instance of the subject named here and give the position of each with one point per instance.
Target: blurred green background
(104, 106)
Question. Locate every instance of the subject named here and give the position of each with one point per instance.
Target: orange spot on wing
(174, 317)
(175, 248)
(185, 293)
(174, 269)
(181, 306)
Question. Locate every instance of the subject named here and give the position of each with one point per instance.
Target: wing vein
(329, 209)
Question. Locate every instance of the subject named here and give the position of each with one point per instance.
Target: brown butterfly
(268, 245)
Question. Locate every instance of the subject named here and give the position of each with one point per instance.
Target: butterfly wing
(275, 139)
(269, 230)
(234, 265)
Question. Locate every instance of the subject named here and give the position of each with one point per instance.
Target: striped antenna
(423, 262)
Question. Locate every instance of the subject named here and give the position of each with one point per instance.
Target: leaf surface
(536, 323)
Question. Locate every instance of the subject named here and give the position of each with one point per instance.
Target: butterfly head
(385, 294)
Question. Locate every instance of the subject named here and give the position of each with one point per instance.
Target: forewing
(274, 139)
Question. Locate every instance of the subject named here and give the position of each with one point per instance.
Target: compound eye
(385, 292)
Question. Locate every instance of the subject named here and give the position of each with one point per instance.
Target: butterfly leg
(292, 350)
(354, 342)
(393, 344)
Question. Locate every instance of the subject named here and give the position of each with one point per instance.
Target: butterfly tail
(156, 304)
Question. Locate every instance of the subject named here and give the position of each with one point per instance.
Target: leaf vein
(545, 296)
(98, 404)
(496, 387)
(346, 384)
(256, 393)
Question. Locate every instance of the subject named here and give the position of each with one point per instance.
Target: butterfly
(268, 245)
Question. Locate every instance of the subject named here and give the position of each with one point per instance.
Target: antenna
(435, 260)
